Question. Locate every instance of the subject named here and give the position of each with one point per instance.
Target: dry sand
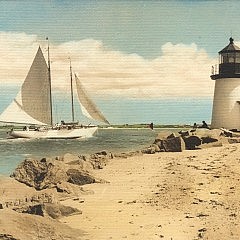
(187, 195)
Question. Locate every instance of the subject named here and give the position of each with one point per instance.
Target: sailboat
(33, 106)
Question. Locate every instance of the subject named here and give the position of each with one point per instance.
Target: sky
(141, 61)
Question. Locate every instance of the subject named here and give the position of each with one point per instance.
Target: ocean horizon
(165, 111)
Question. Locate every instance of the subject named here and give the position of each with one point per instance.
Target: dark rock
(192, 142)
(79, 178)
(35, 210)
(172, 144)
(208, 139)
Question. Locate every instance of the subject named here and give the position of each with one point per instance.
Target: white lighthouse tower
(226, 103)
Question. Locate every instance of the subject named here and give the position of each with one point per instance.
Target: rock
(192, 142)
(173, 145)
(166, 142)
(57, 211)
(50, 173)
(40, 174)
(100, 159)
(208, 139)
(52, 210)
(79, 178)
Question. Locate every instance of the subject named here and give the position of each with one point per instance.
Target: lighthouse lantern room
(226, 102)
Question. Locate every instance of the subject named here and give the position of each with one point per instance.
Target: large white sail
(32, 104)
(89, 109)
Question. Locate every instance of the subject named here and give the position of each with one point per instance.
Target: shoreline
(188, 194)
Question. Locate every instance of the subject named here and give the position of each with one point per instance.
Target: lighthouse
(226, 102)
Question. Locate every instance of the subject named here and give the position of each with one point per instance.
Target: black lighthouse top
(229, 62)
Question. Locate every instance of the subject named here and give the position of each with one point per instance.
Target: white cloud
(181, 70)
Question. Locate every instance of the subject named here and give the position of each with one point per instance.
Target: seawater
(13, 151)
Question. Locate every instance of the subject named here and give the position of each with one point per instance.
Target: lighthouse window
(231, 57)
(228, 58)
(224, 58)
(237, 57)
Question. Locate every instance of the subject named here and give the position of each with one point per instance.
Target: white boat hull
(84, 132)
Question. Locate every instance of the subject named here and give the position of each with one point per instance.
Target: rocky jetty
(188, 140)
(58, 172)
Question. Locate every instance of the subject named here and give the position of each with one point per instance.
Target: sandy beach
(178, 196)
(192, 195)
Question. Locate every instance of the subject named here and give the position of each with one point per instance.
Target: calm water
(13, 151)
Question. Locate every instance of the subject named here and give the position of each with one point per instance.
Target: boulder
(192, 142)
(40, 174)
(78, 177)
(174, 144)
(51, 174)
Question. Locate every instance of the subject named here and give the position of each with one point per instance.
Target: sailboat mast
(50, 85)
(71, 90)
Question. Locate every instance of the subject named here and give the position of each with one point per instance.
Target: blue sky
(133, 53)
(140, 27)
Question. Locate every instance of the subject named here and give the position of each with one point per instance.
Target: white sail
(89, 109)
(32, 104)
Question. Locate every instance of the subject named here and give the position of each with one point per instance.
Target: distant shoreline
(124, 126)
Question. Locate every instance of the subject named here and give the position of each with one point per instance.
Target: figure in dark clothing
(204, 125)
(151, 125)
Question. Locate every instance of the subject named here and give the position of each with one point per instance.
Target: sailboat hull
(85, 132)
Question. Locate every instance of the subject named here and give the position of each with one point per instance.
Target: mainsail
(32, 104)
(89, 109)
